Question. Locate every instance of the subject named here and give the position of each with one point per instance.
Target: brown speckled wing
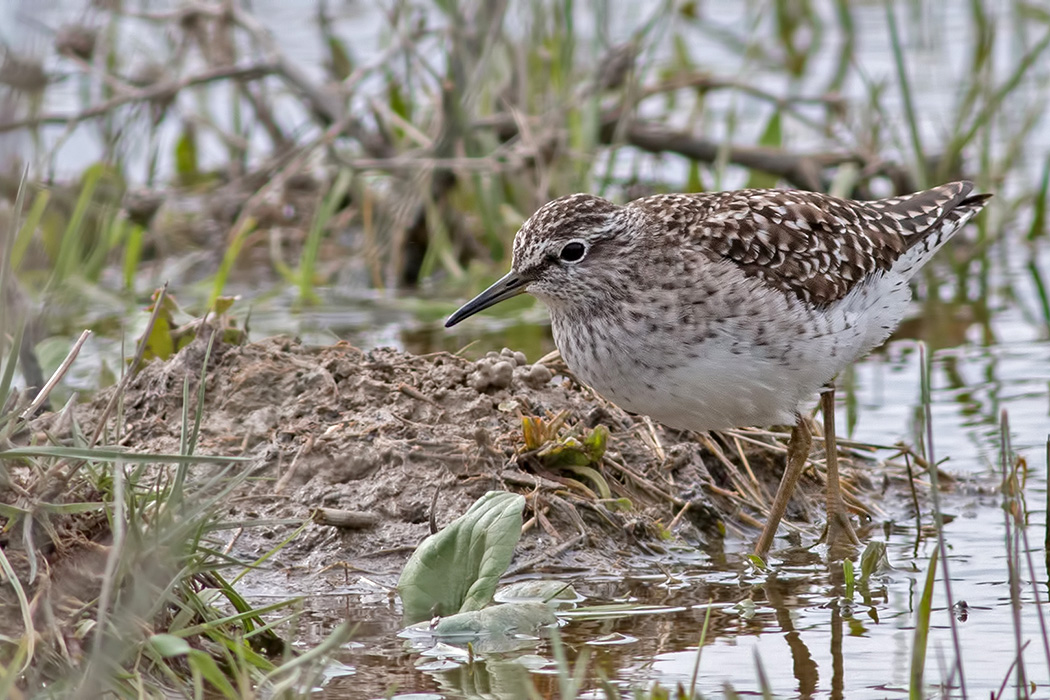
(807, 244)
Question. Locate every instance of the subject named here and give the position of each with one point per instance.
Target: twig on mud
(518, 478)
(432, 520)
(643, 482)
(678, 517)
(545, 523)
(747, 467)
(233, 540)
(742, 485)
(758, 524)
(414, 393)
(57, 376)
(650, 437)
(346, 519)
(286, 477)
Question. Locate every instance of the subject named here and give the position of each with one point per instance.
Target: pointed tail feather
(930, 218)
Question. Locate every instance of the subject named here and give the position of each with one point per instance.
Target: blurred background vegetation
(355, 169)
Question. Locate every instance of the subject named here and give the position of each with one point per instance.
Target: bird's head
(561, 253)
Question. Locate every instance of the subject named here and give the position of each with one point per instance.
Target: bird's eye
(573, 251)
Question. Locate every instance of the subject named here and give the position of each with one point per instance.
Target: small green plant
(577, 449)
(166, 337)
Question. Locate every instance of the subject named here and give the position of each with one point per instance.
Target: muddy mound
(380, 447)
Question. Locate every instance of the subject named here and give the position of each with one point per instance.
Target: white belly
(746, 369)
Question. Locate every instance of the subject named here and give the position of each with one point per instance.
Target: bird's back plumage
(812, 245)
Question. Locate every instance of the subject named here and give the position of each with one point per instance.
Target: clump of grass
(115, 575)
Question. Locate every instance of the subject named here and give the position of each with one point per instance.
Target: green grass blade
(315, 655)
(71, 246)
(97, 454)
(29, 633)
(29, 226)
(249, 615)
(132, 254)
(280, 545)
(935, 494)
(995, 102)
(233, 251)
(699, 649)
(1038, 227)
(922, 631)
(308, 261)
(8, 375)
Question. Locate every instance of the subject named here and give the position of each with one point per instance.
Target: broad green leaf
(595, 443)
(161, 342)
(506, 620)
(457, 569)
(538, 591)
(758, 562)
(168, 645)
(223, 304)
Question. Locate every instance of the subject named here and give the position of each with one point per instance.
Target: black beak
(510, 285)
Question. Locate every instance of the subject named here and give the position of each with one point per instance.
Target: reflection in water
(837, 591)
(803, 665)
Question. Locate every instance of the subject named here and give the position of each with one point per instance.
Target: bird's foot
(839, 535)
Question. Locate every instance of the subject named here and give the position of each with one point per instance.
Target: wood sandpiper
(729, 309)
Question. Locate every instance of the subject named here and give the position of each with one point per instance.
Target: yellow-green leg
(797, 453)
(840, 530)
